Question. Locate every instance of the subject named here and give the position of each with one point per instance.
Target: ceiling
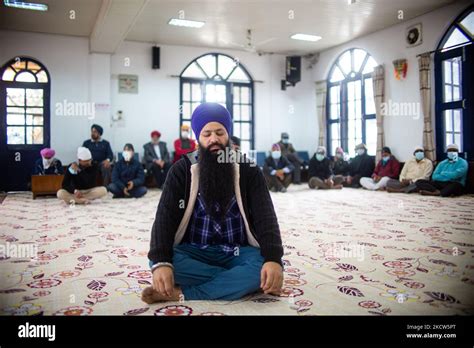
(109, 22)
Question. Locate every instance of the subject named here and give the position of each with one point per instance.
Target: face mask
(47, 162)
(338, 155)
(285, 140)
(453, 156)
(184, 134)
(419, 155)
(385, 158)
(72, 171)
(319, 157)
(360, 152)
(127, 155)
(276, 154)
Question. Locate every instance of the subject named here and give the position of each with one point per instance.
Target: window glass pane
(25, 77)
(369, 97)
(468, 23)
(225, 65)
(245, 109)
(36, 120)
(34, 135)
(193, 71)
(335, 94)
(458, 140)
(239, 75)
(15, 119)
(449, 140)
(245, 95)
(33, 67)
(456, 70)
(245, 132)
(194, 106)
(371, 136)
(15, 96)
(208, 64)
(457, 121)
(237, 95)
(42, 77)
(186, 91)
(337, 75)
(236, 129)
(448, 121)
(196, 92)
(245, 146)
(345, 62)
(334, 113)
(456, 94)
(335, 132)
(19, 65)
(14, 110)
(359, 56)
(186, 110)
(456, 38)
(215, 93)
(237, 112)
(369, 67)
(34, 97)
(15, 135)
(447, 71)
(448, 93)
(8, 75)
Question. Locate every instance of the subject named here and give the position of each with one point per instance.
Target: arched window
(350, 102)
(454, 76)
(24, 119)
(219, 78)
(25, 83)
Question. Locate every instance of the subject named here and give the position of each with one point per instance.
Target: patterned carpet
(346, 252)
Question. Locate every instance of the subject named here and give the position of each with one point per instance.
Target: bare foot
(149, 295)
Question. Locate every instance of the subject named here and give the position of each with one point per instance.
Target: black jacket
(271, 165)
(362, 165)
(320, 169)
(256, 202)
(340, 167)
(84, 180)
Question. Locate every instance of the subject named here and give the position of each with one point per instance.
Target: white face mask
(47, 162)
(360, 152)
(127, 155)
(276, 154)
(185, 134)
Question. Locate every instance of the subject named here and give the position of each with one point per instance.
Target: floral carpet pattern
(347, 252)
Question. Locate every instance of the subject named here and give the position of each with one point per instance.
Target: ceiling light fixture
(26, 5)
(306, 37)
(185, 23)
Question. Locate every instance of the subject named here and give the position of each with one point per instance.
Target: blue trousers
(135, 192)
(212, 274)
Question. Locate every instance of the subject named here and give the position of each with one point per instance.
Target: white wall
(80, 77)
(402, 133)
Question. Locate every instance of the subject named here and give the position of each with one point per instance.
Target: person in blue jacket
(449, 177)
(101, 152)
(128, 177)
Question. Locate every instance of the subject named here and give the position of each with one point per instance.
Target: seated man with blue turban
(215, 235)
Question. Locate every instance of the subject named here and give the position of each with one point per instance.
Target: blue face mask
(319, 157)
(285, 140)
(385, 159)
(453, 156)
(276, 154)
(72, 171)
(419, 155)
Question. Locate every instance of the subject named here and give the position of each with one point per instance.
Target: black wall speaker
(155, 57)
(293, 69)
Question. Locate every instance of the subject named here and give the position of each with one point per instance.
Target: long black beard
(216, 182)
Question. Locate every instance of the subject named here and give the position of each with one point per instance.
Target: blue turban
(210, 112)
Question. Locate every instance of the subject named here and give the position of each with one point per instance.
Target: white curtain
(378, 77)
(321, 91)
(424, 65)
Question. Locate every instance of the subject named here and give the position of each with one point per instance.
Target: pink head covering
(339, 150)
(275, 147)
(47, 153)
